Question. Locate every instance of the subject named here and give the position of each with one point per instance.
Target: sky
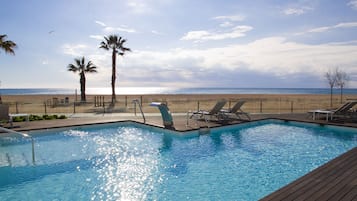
(181, 43)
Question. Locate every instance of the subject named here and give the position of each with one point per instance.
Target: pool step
(4, 160)
(15, 160)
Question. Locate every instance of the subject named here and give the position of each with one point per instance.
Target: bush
(39, 118)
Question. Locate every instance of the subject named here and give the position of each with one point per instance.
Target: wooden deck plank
(333, 181)
(320, 177)
(343, 190)
(351, 195)
(295, 187)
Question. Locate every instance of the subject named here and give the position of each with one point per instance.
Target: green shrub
(39, 118)
(62, 117)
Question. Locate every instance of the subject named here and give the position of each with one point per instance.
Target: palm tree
(82, 68)
(116, 44)
(7, 45)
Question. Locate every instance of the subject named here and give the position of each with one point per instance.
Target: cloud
(236, 32)
(109, 29)
(296, 11)
(234, 18)
(353, 4)
(226, 24)
(273, 57)
(75, 49)
(120, 29)
(156, 32)
(139, 6)
(97, 37)
(328, 28)
(100, 23)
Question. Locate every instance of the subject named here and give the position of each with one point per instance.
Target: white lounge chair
(236, 111)
(341, 111)
(207, 115)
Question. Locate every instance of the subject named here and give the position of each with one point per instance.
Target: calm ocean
(163, 90)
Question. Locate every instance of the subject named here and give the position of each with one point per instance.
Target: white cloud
(75, 49)
(156, 32)
(100, 23)
(327, 28)
(140, 6)
(109, 29)
(97, 37)
(236, 32)
(226, 24)
(272, 56)
(120, 29)
(353, 4)
(296, 11)
(234, 18)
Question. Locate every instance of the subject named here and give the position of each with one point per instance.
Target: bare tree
(331, 79)
(341, 80)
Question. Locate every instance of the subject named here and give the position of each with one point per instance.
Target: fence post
(17, 109)
(103, 105)
(292, 107)
(198, 105)
(261, 106)
(126, 101)
(45, 107)
(74, 107)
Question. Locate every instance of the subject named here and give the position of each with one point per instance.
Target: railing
(177, 103)
(25, 136)
(137, 102)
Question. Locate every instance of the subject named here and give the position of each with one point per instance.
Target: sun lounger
(236, 112)
(344, 111)
(207, 115)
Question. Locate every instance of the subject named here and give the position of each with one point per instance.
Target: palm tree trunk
(83, 87)
(113, 75)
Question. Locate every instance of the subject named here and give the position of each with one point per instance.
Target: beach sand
(179, 103)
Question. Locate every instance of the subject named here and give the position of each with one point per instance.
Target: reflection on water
(129, 168)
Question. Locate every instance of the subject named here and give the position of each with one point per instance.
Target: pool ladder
(137, 102)
(25, 136)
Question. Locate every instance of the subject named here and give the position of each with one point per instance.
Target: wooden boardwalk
(336, 180)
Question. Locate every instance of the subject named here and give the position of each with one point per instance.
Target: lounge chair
(214, 112)
(236, 111)
(165, 114)
(344, 111)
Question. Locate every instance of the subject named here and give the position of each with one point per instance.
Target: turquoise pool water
(135, 162)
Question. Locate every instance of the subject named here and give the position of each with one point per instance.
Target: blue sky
(181, 43)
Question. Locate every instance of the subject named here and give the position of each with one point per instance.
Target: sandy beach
(178, 103)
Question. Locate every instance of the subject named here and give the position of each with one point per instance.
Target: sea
(171, 90)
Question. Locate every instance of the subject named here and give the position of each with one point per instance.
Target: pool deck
(335, 180)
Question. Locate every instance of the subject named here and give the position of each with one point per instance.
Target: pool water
(135, 162)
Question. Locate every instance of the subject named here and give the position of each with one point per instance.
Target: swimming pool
(128, 161)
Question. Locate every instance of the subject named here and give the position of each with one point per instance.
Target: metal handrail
(136, 101)
(25, 135)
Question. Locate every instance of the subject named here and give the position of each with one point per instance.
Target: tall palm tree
(7, 45)
(116, 44)
(83, 68)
